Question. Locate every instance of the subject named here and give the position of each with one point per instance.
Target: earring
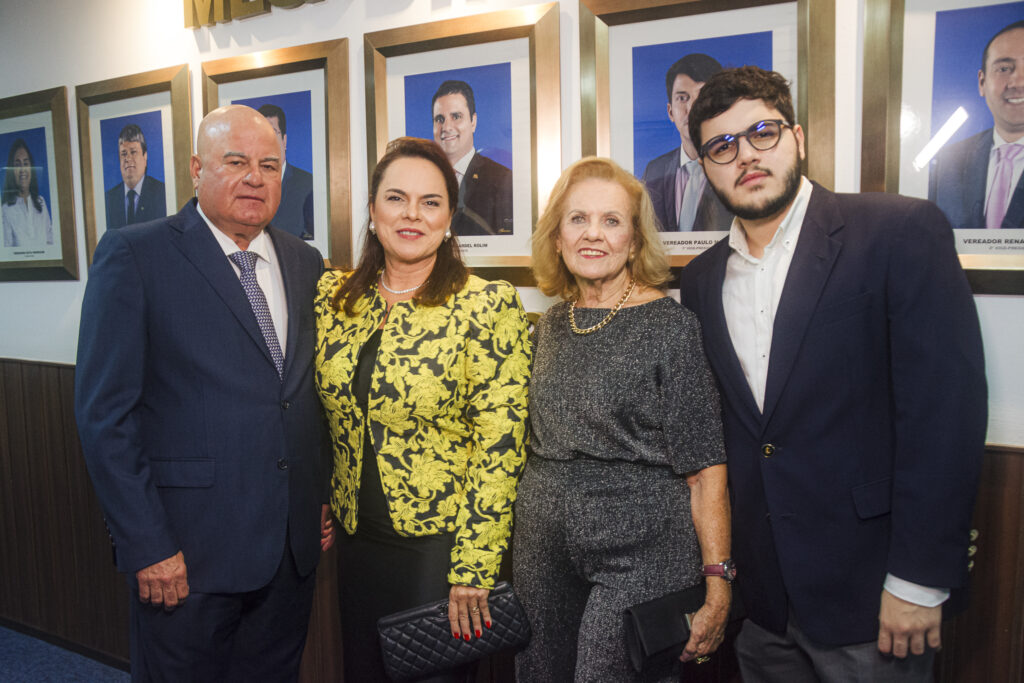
(372, 228)
(447, 234)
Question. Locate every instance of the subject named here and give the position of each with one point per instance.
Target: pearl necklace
(607, 318)
(398, 291)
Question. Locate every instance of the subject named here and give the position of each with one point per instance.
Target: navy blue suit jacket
(295, 213)
(192, 441)
(660, 179)
(152, 203)
(866, 457)
(957, 184)
(485, 199)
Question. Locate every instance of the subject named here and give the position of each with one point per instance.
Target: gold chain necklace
(607, 318)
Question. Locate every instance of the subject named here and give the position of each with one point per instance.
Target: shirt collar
(259, 246)
(137, 188)
(789, 227)
(462, 164)
(998, 141)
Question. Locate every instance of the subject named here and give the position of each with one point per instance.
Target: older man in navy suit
(199, 421)
(680, 193)
(979, 182)
(847, 349)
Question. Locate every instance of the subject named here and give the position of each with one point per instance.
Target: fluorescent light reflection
(951, 126)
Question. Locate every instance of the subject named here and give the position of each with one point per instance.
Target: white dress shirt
(750, 298)
(268, 275)
(689, 202)
(24, 225)
(462, 164)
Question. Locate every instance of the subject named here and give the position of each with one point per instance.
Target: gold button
(768, 450)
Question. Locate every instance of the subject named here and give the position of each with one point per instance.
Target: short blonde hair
(649, 265)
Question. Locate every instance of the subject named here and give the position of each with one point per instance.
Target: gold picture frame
(880, 147)
(537, 23)
(331, 58)
(53, 262)
(815, 78)
(173, 80)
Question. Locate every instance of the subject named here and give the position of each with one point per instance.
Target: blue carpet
(24, 659)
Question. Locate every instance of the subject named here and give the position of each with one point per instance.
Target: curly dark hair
(723, 89)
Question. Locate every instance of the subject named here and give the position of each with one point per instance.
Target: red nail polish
(478, 633)
(455, 636)
(467, 636)
(488, 624)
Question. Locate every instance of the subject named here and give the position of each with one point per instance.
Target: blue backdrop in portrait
(653, 132)
(962, 35)
(492, 90)
(298, 114)
(152, 129)
(35, 140)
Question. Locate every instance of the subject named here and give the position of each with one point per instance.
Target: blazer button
(285, 405)
(767, 450)
(282, 464)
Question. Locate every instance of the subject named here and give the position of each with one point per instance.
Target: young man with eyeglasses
(846, 344)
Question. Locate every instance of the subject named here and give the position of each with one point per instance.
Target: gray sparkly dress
(603, 515)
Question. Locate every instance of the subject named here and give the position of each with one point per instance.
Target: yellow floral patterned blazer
(446, 410)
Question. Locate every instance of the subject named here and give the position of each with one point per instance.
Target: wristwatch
(725, 570)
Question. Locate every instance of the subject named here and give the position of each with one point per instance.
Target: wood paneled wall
(57, 577)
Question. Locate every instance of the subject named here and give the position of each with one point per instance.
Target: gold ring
(474, 610)
(702, 659)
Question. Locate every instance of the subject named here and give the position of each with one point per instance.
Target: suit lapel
(288, 261)
(973, 181)
(200, 247)
(467, 183)
(815, 256)
(722, 355)
(1015, 211)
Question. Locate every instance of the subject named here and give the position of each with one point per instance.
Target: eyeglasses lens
(763, 135)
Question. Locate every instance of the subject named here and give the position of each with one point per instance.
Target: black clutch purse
(418, 642)
(657, 630)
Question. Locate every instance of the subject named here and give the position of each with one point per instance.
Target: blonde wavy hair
(649, 264)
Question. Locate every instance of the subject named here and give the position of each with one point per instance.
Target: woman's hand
(707, 629)
(468, 611)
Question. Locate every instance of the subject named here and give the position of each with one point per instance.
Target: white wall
(68, 42)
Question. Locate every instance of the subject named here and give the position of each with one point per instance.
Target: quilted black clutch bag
(418, 642)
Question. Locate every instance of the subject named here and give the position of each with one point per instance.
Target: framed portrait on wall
(303, 93)
(486, 89)
(642, 67)
(135, 140)
(37, 241)
(960, 127)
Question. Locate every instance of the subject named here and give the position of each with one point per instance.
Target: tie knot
(131, 194)
(1007, 153)
(245, 260)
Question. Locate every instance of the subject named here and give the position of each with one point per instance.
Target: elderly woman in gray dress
(624, 495)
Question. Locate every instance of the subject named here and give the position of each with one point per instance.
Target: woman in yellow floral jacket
(422, 369)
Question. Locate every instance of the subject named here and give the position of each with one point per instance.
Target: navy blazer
(295, 212)
(866, 458)
(192, 440)
(485, 199)
(660, 179)
(152, 203)
(957, 184)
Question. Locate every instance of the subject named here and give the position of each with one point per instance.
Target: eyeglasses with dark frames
(762, 136)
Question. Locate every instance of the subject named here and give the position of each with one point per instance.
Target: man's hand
(164, 583)
(326, 528)
(903, 625)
